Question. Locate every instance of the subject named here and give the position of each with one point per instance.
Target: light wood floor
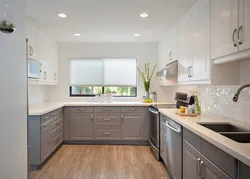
(101, 162)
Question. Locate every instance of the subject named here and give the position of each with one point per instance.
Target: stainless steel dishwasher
(173, 142)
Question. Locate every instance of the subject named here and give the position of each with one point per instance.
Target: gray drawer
(133, 109)
(110, 120)
(107, 109)
(56, 123)
(107, 134)
(59, 112)
(220, 158)
(80, 110)
(45, 118)
(192, 139)
(56, 131)
(56, 141)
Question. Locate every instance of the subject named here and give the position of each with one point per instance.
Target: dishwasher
(173, 149)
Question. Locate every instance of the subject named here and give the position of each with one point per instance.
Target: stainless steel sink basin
(238, 137)
(223, 127)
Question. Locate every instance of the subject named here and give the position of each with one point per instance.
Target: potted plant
(7, 27)
(147, 75)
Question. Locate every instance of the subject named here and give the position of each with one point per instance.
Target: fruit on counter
(148, 100)
(182, 109)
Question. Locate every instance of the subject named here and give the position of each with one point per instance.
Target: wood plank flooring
(101, 162)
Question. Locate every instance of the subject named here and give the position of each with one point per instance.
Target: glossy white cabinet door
(172, 45)
(31, 34)
(200, 68)
(224, 27)
(244, 25)
(185, 47)
(162, 54)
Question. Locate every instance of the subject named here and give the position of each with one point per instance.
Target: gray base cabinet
(82, 124)
(244, 171)
(81, 127)
(45, 136)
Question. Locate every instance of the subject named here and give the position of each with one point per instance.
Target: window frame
(103, 90)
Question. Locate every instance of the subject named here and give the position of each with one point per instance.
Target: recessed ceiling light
(136, 35)
(77, 34)
(144, 15)
(62, 15)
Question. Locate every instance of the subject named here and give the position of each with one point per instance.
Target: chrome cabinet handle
(45, 125)
(122, 116)
(201, 169)
(106, 119)
(54, 76)
(188, 71)
(107, 133)
(81, 109)
(53, 114)
(191, 74)
(198, 165)
(91, 116)
(29, 50)
(132, 109)
(170, 56)
(45, 75)
(235, 30)
(240, 35)
(107, 109)
(46, 117)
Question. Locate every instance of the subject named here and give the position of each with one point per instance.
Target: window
(100, 76)
(92, 91)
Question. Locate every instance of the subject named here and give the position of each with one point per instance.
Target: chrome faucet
(236, 96)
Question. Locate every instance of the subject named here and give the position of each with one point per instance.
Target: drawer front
(192, 139)
(114, 120)
(220, 158)
(133, 109)
(80, 110)
(59, 112)
(107, 134)
(107, 109)
(45, 118)
(57, 140)
(56, 131)
(56, 123)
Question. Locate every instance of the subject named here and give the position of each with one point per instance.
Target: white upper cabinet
(31, 34)
(230, 30)
(194, 44)
(168, 48)
(244, 25)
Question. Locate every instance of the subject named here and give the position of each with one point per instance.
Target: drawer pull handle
(45, 125)
(57, 124)
(81, 109)
(107, 109)
(57, 140)
(54, 114)
(107, 133)
(46, 117)
(132, 109)
(106, 119)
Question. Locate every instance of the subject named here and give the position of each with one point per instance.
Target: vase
(147, 95)
(197, 104)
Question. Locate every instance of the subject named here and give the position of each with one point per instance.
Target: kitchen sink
(238, 137)
(223, 127)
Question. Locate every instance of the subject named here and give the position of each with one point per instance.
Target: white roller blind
(87, 72)
(120, 72)
(103, 72)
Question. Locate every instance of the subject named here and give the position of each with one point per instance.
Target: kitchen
(91, 108)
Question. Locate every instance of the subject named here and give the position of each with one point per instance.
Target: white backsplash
(37, 94)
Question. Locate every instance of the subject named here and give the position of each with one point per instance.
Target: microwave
(34, 69)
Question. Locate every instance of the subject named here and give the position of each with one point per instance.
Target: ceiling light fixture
(77, 34)
(62, 15)
(144, 15)
(136, 35)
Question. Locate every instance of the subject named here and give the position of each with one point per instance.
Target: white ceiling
(106, 20)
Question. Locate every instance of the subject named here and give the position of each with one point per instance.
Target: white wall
(37, 94)
(144, 52)
(13, 97)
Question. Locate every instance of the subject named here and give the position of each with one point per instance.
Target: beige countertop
(40, 109)
(241, 151)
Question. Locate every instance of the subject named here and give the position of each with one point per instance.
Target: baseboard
(109, 142)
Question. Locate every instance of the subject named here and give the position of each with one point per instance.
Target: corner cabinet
(31, 34)
(230, 39)
(194, 44)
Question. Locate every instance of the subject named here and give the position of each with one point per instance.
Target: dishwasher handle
(153, 111)
(172, 128)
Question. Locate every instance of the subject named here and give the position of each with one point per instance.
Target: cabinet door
(31, 34)
(53, 61)
(163, 59)
(200, 68)
(81, 127)
(244, 171)
(191, 159)
(46, 142)
(224, 27)
(172, 45)
(244, 25)
(132, 126)
(184, 48)
(211, 171)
